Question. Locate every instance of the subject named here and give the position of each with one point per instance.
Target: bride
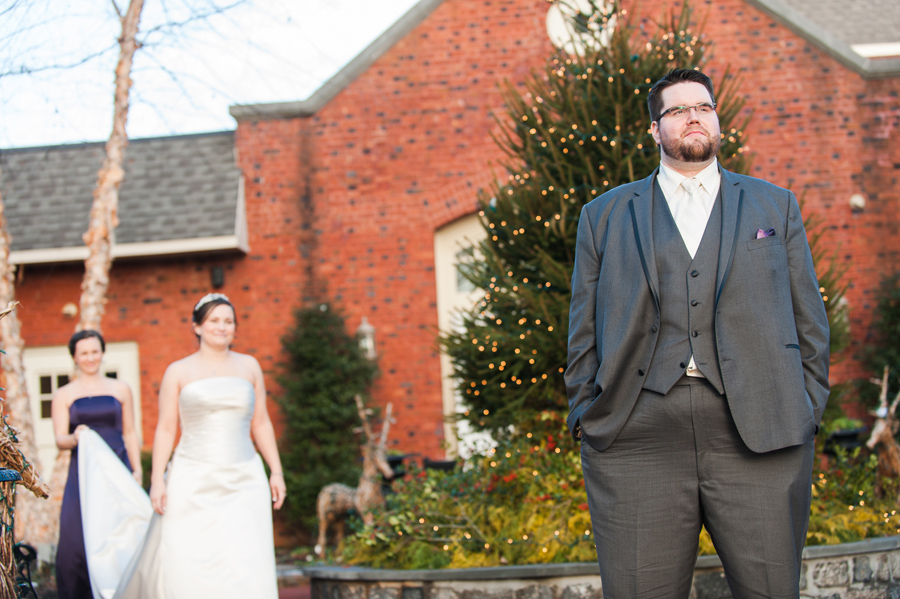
(211, 535)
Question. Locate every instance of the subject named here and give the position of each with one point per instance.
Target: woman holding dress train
(104, 405)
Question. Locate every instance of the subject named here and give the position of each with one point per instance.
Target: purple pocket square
(767, 233)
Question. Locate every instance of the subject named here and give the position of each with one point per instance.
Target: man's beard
(690, 152)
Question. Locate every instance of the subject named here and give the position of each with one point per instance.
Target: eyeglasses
(703, 108)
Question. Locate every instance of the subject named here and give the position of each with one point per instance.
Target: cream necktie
(691, 216)
(691, 222)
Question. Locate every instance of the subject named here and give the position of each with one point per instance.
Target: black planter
(847, 439)
(445, 465)
(396, 464)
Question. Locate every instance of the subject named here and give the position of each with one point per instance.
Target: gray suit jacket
(770, 324)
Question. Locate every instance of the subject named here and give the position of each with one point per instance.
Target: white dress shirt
(690, 219)
(691, 228)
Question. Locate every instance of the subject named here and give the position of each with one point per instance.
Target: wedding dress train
(115, 513)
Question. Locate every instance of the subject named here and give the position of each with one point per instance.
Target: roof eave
(171, 247)
(356, 67)
(868, 68)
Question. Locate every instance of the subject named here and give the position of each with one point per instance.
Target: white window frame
(449, 242)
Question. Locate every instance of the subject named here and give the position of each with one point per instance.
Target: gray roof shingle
(840, 27)
(856, 22)
(175, 188)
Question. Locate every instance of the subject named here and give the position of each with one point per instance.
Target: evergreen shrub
(525, 503)
(882, 348)
(325, 368)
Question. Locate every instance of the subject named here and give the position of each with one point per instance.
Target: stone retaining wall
(865, 570)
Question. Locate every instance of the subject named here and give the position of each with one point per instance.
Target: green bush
(324, 370)
(845, 505)
(882, 348)
(525, 503)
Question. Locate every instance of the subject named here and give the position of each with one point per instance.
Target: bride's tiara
(210, 297)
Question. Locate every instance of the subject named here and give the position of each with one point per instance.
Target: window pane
(45, 407)
(62, 379)
(46, 385)
(112, 375)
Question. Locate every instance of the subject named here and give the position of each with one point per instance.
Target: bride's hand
(158, 497)
(279, 490)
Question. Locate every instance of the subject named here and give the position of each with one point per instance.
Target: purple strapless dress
(103, 414)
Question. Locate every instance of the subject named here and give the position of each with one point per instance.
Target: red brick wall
(399, 153)
(346, 202)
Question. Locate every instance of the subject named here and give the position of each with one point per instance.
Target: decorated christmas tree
(580, 128)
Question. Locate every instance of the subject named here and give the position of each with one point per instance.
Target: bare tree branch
(27, 70)
(196, 16)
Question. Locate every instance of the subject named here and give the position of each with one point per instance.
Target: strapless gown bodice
(102, 413)
(215, 420)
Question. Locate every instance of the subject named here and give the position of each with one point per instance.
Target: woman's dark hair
(206, 305)
(86, 334)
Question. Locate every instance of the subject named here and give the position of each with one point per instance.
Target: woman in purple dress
(104, 405)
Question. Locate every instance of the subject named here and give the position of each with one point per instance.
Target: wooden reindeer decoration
(883, 432)
(335, 501)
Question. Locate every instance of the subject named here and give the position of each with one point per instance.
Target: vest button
(694, 273)
(640, 372)
(694, 302)
(654, 328)
(694, 333)
(683, 365)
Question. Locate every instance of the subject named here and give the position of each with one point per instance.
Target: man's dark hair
(85, 334)
(654, 98)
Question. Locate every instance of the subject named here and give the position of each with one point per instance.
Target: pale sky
(184, 80)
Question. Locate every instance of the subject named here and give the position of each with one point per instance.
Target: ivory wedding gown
(215, 539)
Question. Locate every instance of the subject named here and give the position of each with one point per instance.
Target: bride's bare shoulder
(179, 369)
(245, 359)
(247, 365)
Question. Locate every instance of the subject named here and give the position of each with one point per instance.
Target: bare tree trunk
(100, 236)
(18, 405)
(99, 239)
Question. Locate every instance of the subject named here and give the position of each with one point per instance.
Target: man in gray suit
(698, 365)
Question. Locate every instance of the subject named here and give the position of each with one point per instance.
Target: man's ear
(654, 131)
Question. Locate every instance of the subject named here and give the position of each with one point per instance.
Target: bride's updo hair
(85, 334)
(206, 305)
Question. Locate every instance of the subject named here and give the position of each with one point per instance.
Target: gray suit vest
(687, 291)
